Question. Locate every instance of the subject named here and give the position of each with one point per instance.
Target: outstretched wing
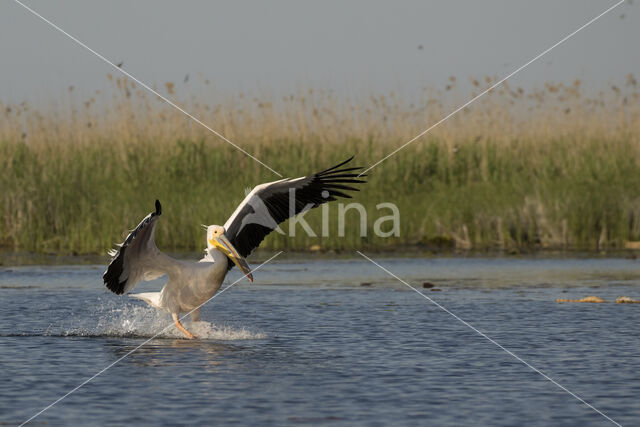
(273, 203)
(138, 257)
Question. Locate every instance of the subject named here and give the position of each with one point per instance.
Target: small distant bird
(120, 64)
(192, 284)
(186, 78)
(420, 47)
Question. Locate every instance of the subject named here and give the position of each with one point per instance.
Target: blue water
(308, 344)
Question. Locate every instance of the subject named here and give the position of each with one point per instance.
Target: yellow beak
(225, 246)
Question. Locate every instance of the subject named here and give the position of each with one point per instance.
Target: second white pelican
(191, 284)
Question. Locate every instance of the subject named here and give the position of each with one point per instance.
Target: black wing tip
(112, 283)
(115, 287)
(338, 166)
(353, 156)
(111, 277)
(339, 178)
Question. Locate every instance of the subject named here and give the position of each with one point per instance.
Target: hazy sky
(278, 46)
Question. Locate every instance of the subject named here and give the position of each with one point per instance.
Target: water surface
(329, 342)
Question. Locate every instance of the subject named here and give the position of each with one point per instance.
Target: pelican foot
(182, 329)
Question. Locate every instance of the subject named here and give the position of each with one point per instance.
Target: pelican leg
(195, 315)
(180, 327)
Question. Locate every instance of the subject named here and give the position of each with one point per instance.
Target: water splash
(145, 322)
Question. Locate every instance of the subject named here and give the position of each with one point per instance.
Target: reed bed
(553, 167)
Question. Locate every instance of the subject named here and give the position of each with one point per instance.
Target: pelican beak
(227, 248)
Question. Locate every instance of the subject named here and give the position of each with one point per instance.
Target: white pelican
(190, 284)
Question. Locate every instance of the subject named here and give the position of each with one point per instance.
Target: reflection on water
(310, 344)
(170, 352)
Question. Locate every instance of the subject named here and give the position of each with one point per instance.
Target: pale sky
(352, 47)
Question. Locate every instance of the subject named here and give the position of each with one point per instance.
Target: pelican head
(216, 239)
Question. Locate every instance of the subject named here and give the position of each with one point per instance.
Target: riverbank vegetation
(553, 167)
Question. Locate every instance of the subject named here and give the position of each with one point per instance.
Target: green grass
(83, 199)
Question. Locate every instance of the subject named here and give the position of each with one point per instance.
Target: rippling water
(329, 342)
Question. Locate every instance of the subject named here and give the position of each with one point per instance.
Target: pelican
(190, 284)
